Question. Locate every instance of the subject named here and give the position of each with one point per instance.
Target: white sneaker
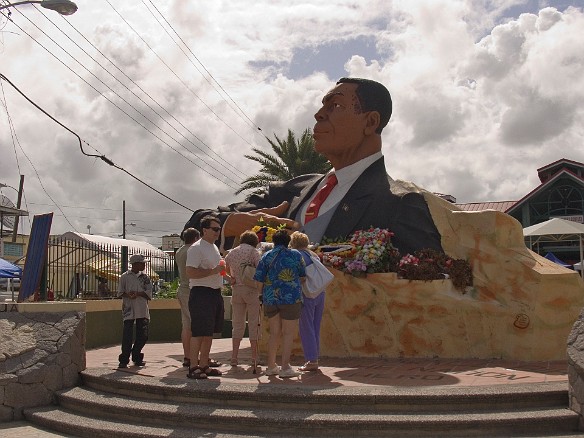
(288, 372)
(272, 371)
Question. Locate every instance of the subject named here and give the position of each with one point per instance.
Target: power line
(174, 73)
(13, 131)
(241, 112)
(102, 157)
(143, 91)
(14, 141)
(112, 209)
(127, 103)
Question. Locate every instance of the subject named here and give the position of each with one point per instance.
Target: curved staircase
(112, 403)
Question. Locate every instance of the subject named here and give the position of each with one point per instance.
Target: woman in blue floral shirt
(281, 270)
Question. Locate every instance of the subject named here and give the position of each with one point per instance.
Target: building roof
(480, 206)
(560, 174)
(562, 164)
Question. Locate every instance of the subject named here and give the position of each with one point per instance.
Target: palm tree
(293, 157)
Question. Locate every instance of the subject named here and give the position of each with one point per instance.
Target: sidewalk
(165, 360)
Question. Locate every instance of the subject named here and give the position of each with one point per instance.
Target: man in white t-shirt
(204, 270)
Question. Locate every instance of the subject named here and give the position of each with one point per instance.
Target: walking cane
(258, 333)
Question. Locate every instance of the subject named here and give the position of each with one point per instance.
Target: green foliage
(168, 290)
(226, 290)
(292, 157)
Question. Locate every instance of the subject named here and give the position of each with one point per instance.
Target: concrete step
(54, 418)
(225, 423)
(132, 405)
(342, 399)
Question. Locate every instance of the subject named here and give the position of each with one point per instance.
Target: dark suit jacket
(373, 200)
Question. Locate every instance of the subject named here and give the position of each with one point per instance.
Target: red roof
(479, 206)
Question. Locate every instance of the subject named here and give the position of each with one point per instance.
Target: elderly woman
(281, 270)
(312, 309)
(245, 298)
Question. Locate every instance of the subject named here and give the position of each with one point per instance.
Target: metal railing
(92, 271)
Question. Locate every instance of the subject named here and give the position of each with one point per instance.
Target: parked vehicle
(9, 283)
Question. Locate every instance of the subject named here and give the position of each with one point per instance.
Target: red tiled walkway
(165, 360)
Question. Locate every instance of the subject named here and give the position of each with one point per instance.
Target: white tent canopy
(556, 229)
(134, 246)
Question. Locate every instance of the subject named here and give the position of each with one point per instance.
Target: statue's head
(349, 123)
(373, 96)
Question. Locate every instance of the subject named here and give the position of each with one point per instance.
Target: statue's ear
(372, 122)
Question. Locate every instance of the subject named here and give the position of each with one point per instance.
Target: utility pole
(18, 203)
(124, 220)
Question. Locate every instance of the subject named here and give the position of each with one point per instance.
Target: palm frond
(291, 157)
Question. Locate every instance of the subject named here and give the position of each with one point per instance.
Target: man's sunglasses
(216, 229)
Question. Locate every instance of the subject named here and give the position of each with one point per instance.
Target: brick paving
(165, 360)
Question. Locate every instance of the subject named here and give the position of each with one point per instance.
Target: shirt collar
(349, 174)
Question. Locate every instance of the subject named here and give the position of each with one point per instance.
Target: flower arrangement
(371, 251)
(264, 231)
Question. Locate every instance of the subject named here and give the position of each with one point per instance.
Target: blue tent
(8, 270)
(553, 258)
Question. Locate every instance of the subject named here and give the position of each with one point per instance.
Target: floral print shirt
(238, 258)
(280, 270)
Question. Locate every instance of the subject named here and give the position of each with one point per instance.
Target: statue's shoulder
(295, 185)
(402, 188)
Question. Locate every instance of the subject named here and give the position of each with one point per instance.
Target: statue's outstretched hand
(239, 222)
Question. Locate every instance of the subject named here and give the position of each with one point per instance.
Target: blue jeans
(128, 337)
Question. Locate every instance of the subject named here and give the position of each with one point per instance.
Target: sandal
(212, 372)
(197, 373)
(186, 362)
(214, 364)
(234, 362)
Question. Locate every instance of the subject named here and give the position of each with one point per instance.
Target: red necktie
(314, 206)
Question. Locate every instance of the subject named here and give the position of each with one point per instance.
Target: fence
(89, 270)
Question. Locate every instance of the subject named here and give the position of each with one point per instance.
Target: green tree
(292, 157)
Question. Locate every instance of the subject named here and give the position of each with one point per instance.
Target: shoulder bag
(318, 277)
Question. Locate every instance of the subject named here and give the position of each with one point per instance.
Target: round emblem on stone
(521, 321)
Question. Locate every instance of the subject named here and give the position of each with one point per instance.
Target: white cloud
(483, 96)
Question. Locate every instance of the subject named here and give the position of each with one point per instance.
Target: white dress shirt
(346, 177)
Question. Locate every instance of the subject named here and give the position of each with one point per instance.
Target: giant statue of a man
(356, 194)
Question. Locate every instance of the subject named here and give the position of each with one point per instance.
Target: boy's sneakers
(272, 371)
(288, 372)
(123, 365)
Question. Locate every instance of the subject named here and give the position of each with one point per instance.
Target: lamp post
(63, 7)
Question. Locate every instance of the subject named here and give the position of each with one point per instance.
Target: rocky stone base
(40, 353)
(576, 368)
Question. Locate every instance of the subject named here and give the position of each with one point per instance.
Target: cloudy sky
(173, 92)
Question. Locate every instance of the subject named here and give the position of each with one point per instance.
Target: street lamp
(63, 7)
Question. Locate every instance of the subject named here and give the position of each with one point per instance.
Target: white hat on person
(137, 258)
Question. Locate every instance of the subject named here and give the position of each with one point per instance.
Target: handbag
(318, 277)
(247, 273)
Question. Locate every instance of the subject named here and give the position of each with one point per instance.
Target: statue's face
(340, 123)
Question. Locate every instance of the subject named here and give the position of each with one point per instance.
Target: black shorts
(206, 309)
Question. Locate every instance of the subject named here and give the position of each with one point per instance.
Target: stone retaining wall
(576, 368)
(40, 353)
